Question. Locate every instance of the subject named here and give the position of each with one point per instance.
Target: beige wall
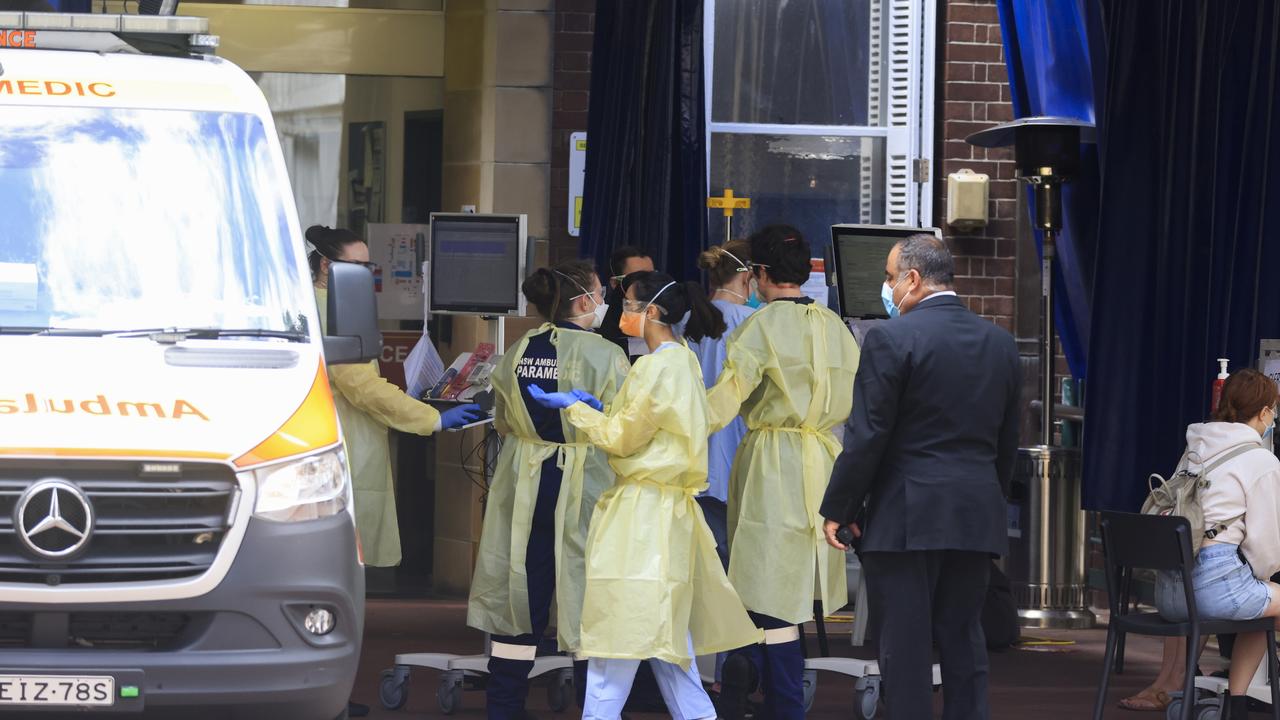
(497, 156)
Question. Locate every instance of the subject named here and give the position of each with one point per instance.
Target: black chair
(1132, 541)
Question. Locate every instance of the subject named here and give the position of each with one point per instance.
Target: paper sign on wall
(577, 178)
(816, 286)
(398, 252)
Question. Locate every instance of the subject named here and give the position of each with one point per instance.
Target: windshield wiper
(54, 331)
(17, 330)
(174, 335)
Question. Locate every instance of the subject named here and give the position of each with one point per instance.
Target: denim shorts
(1225, 588)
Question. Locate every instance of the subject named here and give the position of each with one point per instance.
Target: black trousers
(921, 598)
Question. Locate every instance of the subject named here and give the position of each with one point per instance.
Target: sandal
(1147, 701)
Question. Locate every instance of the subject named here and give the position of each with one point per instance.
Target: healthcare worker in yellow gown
(545, 484)
(655, 587)
(368, 405)
(788, 371)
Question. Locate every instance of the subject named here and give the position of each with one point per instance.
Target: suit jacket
(933, 435)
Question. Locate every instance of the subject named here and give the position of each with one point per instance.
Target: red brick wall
(975, 96)
(575, 24)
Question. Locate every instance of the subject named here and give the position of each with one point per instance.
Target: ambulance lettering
(56, 88)
(32, 404)
(18, 39)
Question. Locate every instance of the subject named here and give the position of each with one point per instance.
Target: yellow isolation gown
(653, 577)
(367, 405)
(789, 371)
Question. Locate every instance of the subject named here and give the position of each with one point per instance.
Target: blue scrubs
(722, 445)
(511, 658)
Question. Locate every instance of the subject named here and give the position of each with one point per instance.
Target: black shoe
(355, 709)
(1235, 707)
(739, 681)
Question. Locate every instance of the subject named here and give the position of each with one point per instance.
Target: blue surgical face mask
(886, 296)
(754, 300)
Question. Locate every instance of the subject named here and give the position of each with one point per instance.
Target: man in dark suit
(930, 446)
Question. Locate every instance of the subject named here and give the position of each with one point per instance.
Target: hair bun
(315, 233)
(710, 258)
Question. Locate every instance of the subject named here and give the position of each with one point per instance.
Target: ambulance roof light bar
(92, 32)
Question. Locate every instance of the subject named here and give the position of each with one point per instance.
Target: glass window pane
(198, 233)
(811, 62)
(307, 110)
(358, 148)
(811, 182)
(436, 5)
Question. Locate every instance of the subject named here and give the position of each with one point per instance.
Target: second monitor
(860, 252)
(477, 263)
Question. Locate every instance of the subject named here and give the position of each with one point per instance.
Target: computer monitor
(477, 263)
(860, 252)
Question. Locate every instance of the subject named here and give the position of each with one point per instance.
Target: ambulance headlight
(304, 489)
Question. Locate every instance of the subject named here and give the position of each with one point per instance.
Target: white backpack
(1181, 495)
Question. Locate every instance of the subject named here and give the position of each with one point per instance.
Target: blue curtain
(646, 170)
(1047, 55)
(1188, 100)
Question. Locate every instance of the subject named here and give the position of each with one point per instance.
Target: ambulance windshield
(117, 219)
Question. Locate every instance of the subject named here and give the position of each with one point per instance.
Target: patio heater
(1046, 563)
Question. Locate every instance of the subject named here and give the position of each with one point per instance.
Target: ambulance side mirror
(352, 312)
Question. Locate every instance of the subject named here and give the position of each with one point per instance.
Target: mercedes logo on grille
(53, 518)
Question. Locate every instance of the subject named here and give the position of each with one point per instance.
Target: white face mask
(597, 314)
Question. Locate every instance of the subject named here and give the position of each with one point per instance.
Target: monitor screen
(477, 263)
(860, 252)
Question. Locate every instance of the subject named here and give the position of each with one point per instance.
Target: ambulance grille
(144, 529)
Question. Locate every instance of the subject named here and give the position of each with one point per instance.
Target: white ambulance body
(175, 525)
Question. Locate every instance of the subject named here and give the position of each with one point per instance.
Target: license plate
(56, 690)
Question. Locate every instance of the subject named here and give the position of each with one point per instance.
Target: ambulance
(176, 527)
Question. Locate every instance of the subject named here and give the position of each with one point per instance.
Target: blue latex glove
(456, 417)
(588, 398)
(553, 401)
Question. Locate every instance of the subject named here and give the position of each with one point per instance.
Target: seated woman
(1242, 510)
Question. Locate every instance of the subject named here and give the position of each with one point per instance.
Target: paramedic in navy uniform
(931, 442)
(545, 485)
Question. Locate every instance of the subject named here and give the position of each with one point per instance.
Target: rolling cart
(866, 691)
(866, 688)
(469, 672)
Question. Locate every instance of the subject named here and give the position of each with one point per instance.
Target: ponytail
(675, 300)
(705, 319)
(723, 263)
(551, 289)
(543, 291)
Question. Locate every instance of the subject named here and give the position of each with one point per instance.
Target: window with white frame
(817, 112)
